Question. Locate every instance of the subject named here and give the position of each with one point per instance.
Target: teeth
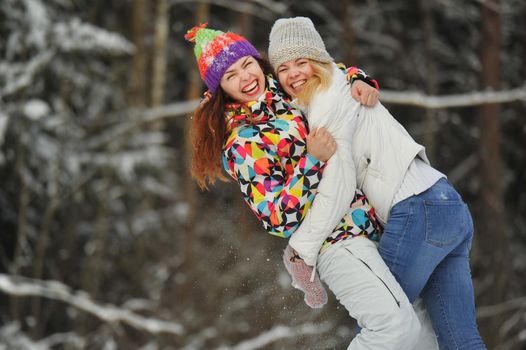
(251, 87)
(298, 83)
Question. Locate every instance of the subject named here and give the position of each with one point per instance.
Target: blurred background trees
(95, 191)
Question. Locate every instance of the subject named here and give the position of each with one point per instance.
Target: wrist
(295, 256)
(314, 158)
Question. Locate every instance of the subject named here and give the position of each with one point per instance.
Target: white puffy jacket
(373, 153)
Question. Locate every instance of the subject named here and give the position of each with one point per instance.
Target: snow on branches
(21, 286)
(76, 36)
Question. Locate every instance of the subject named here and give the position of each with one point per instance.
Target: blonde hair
(321, 79)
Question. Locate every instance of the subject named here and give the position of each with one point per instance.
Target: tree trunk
(492, 224)
(190, 189)
(195, 83)
(162, 27)
(245, 25)
(430, 77)
(350, 57)
(92, 274)
(138, 81)
(22, 226)
(40, 254)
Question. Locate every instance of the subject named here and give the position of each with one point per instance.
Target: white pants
(354, 271)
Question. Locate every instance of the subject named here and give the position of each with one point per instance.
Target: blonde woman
(428, 228)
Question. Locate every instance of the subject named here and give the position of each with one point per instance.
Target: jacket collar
(258, 111)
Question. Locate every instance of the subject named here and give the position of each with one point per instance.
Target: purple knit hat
(216, 51)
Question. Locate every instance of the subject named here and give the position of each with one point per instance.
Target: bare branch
(21, 286)
(14, 338)
(416, 99)
(448, 101)
(508, 305)
(463, 168)
(139, 117)
(277, 333)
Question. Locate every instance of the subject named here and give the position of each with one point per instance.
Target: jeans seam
(443, 313)
(404, 232)
(428, 228)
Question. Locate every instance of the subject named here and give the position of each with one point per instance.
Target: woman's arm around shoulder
(279, 200)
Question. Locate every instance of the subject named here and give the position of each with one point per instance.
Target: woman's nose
(245, 75)
(294, 73)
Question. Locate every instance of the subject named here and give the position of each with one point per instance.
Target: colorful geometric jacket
(265, 152)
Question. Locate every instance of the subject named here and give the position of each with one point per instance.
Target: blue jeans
(426, 244)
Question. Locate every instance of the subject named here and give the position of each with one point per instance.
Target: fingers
(321, 144)
(311, 135)
(325, 139)
(355, 91)
(322, 137)
(375, 96)
(369, 98)
(364, 93)
(372, 99)
(331, 146)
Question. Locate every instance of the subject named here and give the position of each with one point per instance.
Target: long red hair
(207, 135)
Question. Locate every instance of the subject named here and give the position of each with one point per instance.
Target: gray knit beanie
(292, 38)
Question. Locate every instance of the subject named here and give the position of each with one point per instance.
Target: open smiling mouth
(298, 83)
(251, 88)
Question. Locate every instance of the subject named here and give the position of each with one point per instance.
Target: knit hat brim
(289, 53)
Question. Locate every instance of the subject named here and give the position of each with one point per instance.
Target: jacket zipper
(381, 280)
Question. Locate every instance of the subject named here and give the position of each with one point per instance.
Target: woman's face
(293, 75)
(244, 81)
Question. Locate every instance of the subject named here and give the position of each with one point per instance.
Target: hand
(315, 293)
(364, 93)
(320, 144)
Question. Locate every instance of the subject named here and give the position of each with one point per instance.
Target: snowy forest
(108, 243)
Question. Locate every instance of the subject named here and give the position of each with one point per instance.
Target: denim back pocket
(446, 222)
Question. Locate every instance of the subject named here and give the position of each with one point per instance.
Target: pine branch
(21, 286)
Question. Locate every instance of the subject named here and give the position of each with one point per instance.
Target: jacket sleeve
(335, 110)
(279, 201)
(355, 73)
